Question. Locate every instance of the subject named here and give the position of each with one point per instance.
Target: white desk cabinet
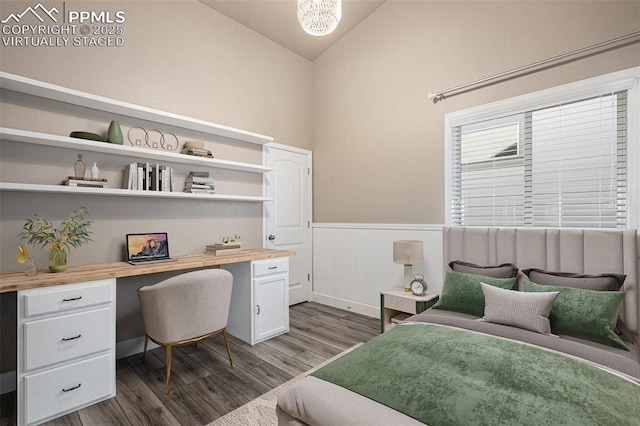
(259, 300)
(66, 349)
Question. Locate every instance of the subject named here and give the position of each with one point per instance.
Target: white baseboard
(347, 305)
(133, 346)
(353, 263)
(7, 382)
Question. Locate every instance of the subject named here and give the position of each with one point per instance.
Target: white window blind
(559, 166)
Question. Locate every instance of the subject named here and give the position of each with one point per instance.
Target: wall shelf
(127, 153)
(26, 136)
(58, 93)
(62, 189)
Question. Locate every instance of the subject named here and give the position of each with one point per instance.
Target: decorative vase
(95, 172)
(58, 259)
(114, 135)
(30, 267)
(79, 168)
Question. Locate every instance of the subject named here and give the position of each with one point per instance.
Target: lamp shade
(408, 252)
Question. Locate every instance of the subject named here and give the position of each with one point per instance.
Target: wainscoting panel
(353, 262)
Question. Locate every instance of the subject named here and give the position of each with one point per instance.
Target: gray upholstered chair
(186, 309)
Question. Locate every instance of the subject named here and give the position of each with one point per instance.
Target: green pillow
(587, 314)
(462, 292)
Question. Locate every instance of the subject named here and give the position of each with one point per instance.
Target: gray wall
(181, 57)
(378, 141)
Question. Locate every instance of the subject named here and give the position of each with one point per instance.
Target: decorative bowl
(86, 135)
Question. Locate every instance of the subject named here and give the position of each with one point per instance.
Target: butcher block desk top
(18, 281)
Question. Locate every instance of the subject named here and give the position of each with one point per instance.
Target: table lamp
(408, 253)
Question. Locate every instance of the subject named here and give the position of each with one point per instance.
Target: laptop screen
(142, 247)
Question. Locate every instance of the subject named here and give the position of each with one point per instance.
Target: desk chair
(186, 309)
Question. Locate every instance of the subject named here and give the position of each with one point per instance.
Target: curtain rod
(439, 96)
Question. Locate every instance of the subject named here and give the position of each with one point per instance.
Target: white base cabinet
(66, 349)
(259, 300)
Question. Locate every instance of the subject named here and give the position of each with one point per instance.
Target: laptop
(143, 249)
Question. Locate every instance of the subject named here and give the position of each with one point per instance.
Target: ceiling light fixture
(319, 17)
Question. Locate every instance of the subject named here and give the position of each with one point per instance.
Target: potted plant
(71, 233)
(232, 241)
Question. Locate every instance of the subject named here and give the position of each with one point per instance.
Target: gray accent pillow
(529, 311)
(599, 282)
(505, 270)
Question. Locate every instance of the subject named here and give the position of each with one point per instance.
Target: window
(556, 158)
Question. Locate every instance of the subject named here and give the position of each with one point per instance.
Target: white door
(288, 217)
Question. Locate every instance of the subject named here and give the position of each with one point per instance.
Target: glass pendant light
(319, 17)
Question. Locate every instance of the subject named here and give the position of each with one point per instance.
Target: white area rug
(262, 410)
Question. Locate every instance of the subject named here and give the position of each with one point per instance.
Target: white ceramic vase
(95, 172)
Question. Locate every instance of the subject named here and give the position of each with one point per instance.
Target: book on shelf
(147, 177)
(199, 191)
(200, 177)
(128, 177)
(205, 188)
(199, 182)
(85, 182)
(85, 178)
(158, 175)
(197, 152)
(199, 185)
(87, 185)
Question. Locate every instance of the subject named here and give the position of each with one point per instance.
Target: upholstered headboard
(567, 250)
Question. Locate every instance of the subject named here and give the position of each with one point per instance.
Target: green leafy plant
(73, 232)
(229, 240)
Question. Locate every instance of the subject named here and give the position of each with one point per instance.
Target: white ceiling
(277, 20)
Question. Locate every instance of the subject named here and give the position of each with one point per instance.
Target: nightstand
(397, 305)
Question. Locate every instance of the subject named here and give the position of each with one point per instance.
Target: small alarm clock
(418, 285)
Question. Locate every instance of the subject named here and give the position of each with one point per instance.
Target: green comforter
(445, 376)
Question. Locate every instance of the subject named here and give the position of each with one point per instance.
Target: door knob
(272, 237)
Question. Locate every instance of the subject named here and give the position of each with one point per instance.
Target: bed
(533, 326)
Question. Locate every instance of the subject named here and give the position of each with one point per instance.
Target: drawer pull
(273, 267)
(73, 388)
(66, 339)
(72, 299)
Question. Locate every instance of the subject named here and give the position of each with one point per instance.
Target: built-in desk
(75, 274)
(66, 323)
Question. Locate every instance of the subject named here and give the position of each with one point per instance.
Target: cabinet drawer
(270, 266)
(400, 303)
(68, 297)
(64, 389)
(63, 338)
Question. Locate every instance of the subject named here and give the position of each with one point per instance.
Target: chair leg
(226, 343)
(144, 352)
(168, 368)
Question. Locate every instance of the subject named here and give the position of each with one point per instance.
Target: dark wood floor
(204, 387)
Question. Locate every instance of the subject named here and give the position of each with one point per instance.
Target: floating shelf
(61, 189)
(58, 93)
(45, 139)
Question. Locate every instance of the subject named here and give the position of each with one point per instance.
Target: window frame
(621, 80)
